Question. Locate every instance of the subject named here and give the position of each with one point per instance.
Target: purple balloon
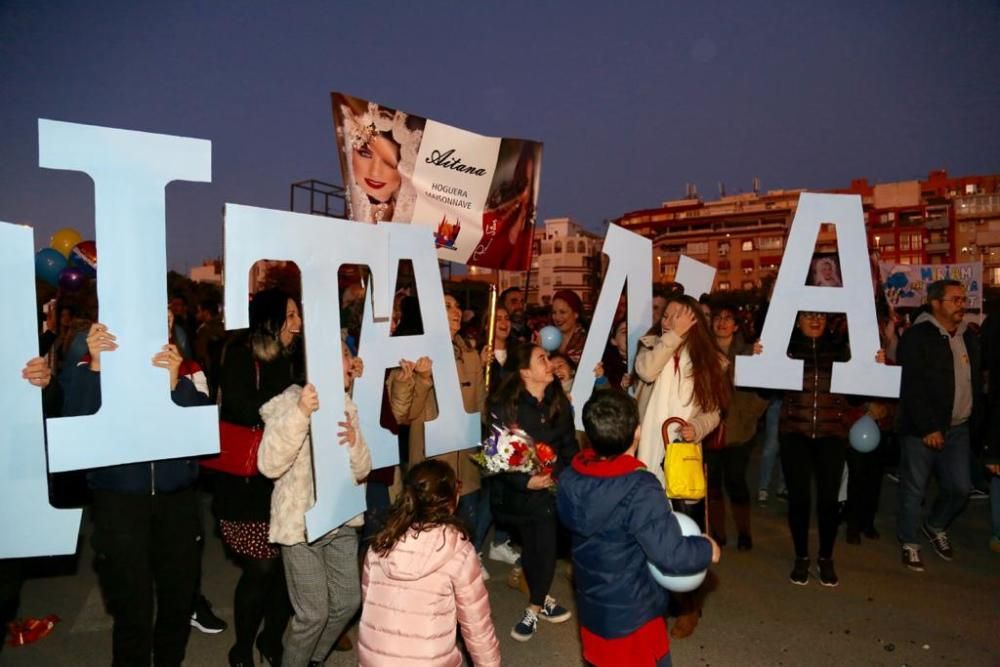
(72, 279)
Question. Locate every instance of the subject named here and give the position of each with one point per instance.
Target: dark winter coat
(83, 397)
(815, 412)
(620, 520)
(510, 496)
(927, 389)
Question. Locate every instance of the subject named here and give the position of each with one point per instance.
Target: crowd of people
(414, 563)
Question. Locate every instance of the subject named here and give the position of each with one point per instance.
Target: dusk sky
(632, 100)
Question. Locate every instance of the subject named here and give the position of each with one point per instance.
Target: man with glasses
(938, 409)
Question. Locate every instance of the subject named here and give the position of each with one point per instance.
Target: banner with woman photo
(478, 193)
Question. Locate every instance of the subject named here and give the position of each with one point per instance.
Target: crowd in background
(416, 558)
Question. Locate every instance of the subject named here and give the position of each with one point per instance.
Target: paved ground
(881, 614)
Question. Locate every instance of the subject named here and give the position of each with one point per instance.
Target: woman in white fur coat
(323, 581)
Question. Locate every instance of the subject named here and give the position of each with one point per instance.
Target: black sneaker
(911, 557)
(800, 573)
(938, 540)
(553, 612)
(827, 575)
(525, 629)
(204, 620)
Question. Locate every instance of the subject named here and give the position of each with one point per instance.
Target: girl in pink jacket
(422, 578)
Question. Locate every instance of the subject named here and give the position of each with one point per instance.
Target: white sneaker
(762, 496)
(486, 573)
(504, 553)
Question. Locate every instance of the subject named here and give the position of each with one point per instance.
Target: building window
(725, 285)
(581, 246)
(546, 281)
(748, 270)
(724, 249)
(970, 188)
(697, 248)
(771, 243)
(911, 241)
(747, 245)
(558, 246)
(748, 284)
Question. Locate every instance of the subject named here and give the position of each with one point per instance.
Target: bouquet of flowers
(513, 450)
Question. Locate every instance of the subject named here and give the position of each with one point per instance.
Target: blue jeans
(770, 453)
(950, 466)
(474, 510)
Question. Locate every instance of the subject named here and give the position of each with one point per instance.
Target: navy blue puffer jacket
(620, 519)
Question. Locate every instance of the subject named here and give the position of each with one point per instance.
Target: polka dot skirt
(248, 538)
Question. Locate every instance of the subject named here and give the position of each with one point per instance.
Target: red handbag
(238, 444)
(238, 447)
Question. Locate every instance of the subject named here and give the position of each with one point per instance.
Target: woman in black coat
(530, 399)
(256, 366)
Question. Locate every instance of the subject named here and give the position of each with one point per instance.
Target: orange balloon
(65, 240)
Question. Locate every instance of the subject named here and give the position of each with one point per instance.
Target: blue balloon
(680, 583)
(550, 338)
(49, 262)
(865, 435)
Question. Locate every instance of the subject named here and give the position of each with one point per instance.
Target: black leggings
(538, 555)
(261, 594)
(864, 486)
(802, 459)
(727, 468)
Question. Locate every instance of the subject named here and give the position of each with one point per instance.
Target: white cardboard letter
(137, 420)
(622, 248)
(32, 527)
(453, 428)
(861, 375)
(319, 246)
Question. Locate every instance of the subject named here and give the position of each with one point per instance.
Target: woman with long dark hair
(729, 458)
(256, 366)
(529, 398)
(682, 373)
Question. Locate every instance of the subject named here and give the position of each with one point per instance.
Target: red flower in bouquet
(546, 457)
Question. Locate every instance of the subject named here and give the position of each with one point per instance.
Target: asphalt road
(881, 614)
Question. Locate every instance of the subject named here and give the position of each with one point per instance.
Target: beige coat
(285, 455)
(672, 399)
(413, 402)
(652, 356)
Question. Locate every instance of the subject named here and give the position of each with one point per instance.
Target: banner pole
(491, 330)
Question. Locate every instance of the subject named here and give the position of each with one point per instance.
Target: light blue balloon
(680, 583)
(550, 338)
(49, 262)
(865, 435)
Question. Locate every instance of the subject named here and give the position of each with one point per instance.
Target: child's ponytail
(428, 499)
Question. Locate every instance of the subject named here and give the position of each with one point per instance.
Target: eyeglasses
(957, 300)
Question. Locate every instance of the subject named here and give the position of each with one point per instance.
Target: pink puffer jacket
(414, 598)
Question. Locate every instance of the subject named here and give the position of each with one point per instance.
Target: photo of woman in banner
(380, 149)
(824, 272)
(509, 217)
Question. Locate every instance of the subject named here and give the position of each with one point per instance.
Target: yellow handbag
(683, 467)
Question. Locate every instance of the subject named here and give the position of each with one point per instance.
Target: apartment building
(938, 220)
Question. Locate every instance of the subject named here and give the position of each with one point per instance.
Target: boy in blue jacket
(619, 520)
